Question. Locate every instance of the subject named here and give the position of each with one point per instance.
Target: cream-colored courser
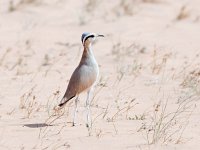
(83, 77)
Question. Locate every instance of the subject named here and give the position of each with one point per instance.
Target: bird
(84, 77)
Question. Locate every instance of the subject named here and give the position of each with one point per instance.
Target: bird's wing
(82, 78)
(72, 88)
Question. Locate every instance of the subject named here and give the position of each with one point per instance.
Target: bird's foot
(89, 129)
(73, 124)
(88, 125)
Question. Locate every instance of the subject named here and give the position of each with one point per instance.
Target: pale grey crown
(87, 35)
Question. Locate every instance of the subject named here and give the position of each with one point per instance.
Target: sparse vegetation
(164, 126)
(148, 90)
(183, 13)
(13, 6)
(126, 7)
(29, 104)
(192, 81)
(159, 62)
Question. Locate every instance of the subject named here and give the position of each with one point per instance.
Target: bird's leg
(89, 123)
(75, 111)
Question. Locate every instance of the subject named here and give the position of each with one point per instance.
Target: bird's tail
(65, 100)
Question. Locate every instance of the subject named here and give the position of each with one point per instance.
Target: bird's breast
(88, 76)
(87, 71)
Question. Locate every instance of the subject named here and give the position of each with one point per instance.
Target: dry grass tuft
(120, 51)
(183, 13)
(4, 56)
(159, 62)
(164, 126)
(124, 8)
(91, 5)
(29, 104)
(15, 6)
(123, 110)
(192, 81)
(124, 54)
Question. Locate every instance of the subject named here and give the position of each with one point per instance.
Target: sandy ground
(148, 92)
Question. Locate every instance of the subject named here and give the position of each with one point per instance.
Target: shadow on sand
(36, 125)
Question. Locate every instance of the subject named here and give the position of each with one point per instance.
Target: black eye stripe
(90, 36)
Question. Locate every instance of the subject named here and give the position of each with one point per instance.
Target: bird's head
(88, 38)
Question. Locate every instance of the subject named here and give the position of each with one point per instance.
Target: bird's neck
(88, 50)
(88, 54)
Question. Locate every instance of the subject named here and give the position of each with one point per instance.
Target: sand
(148, 92)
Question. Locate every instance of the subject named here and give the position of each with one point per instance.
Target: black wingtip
(61, 104)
